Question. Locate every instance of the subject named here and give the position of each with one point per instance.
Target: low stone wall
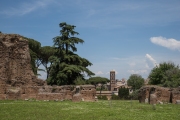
(87, 92)
(155, 94)
(175, 95)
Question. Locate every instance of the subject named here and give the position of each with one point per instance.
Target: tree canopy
(96, 80)
(67, 66)
(135, 81)
(34, 48)
(45, 54)
(166, 74)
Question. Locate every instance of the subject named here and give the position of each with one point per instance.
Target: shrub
(103, 97)
(115, 97)
(123, 93)
(134, 95)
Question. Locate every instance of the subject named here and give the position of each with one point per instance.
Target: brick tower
(112, 80)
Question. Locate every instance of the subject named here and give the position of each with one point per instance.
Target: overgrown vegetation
(165, 74)
(115, 97)
(102, 97)
(34, 50)
(123, 93)
(134, 95)
(101, 110)
(135, 81)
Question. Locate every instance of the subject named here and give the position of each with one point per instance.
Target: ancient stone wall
(15, 67)
(156, 94)
(175, 95)
(17, 80)
(86, 93)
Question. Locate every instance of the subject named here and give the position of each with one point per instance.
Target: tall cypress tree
(67, 66)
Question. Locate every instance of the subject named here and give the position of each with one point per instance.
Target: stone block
(77, 97)
(177, 101)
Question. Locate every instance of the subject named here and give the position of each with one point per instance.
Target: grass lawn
(101, 110)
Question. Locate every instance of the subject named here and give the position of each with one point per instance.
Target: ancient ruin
(17, 80)
(154, 94)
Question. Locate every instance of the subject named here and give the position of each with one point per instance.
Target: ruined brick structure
(15, 67)
(154, 94)
(17, 80)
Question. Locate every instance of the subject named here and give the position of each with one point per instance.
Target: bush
(134, 95)
(123, 93)
(103, 97)
(115, 97)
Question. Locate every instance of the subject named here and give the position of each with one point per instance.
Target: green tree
(34, 48)
(135, 81)
(45, 53)
(80, 81)
(166, 74)
(96, 80)
(67, 66)
(171, 78)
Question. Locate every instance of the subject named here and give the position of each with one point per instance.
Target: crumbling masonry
(17, 81)
(154, 94)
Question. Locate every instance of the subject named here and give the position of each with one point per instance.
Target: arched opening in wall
(170, 98)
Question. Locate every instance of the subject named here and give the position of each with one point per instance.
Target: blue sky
(127, 36)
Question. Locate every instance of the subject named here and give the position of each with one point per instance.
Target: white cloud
(99, 73)
(171, 43)
(141, 65)
(150, 61)
(26, 8)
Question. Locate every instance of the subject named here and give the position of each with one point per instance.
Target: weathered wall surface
(15, 67)
(175, 95)
(156, 94)
(17, 80)
(87, 93)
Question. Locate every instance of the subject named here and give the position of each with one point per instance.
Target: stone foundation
(58, 93)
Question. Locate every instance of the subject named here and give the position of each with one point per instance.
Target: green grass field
(101, 110)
